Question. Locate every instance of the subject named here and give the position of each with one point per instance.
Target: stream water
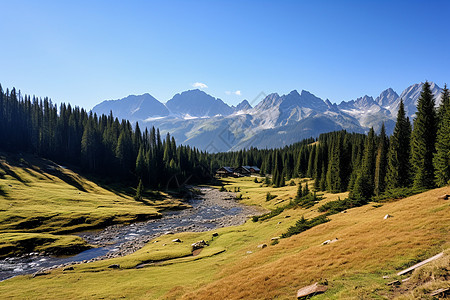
(214, 210)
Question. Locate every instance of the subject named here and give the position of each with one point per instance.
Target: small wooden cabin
(225, 172)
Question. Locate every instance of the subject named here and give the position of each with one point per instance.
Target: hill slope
(38, 196)
(233, 267)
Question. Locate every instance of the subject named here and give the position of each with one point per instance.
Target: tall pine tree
(381, 162)
(441, 159)
(423, 139)
(398, 172)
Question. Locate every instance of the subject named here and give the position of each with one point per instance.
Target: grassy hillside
(234, 267)
(40, 200)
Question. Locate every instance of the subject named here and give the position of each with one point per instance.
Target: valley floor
(236, 265)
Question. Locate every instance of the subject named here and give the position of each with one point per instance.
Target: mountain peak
(387, 97)
(244, 105)
(197, 103)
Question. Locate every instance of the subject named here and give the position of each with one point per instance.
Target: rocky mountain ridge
(198, 119)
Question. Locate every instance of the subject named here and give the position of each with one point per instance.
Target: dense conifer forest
(368, 165)
(98, 145)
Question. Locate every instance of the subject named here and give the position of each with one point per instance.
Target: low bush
(269, 196)
(304, 224)
(269, 215)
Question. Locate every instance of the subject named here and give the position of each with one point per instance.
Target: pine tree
(139, 191)
(441, 159)
(305, 191)
(140, 163)
(423, 139)
(334, 168)
(398, 173)
(299, 191)
(381, 162)
(364, 184)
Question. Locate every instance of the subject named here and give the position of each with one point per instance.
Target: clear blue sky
(84, 52)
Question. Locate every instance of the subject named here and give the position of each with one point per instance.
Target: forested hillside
(414, 158)
(368, 165)
(99, 145)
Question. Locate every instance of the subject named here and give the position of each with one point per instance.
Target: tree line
(98, 145)
(367, 165)
(415, 156)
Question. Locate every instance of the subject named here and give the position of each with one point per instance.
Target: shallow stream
(213, 210)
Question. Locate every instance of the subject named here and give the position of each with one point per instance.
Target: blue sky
(84, 52)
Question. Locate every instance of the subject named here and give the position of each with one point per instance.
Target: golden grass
(368, 248)
(37, 196)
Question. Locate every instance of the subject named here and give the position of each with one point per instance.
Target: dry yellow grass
(368, 248)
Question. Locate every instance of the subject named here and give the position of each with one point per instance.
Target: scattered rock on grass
(262, 246)
(395, 282)
(275, 238)
(176, 241)
(311, 290)
(387, 216)
(330, 241)
(444, 197)
(69, 268)
(215, 234)
(199, 245)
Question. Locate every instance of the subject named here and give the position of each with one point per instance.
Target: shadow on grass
(11, 173)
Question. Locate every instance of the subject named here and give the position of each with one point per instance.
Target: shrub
(269, 215)
(270, 196)
(222, 189)
(292, 183)
(339, 205)
(304, 224)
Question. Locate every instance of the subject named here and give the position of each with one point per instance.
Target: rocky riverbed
(212, 209)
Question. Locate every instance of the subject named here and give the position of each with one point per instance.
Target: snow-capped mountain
(198, 119)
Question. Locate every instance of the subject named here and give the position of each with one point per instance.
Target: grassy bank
(38, 196)
(234, 267)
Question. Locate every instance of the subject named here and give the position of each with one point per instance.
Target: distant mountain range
(195, 118)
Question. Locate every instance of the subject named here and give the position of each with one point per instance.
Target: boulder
(262, 246)
(199, 245)
(215, 234)
(311, 290)
(444, 197)
(387, 216)
(69, 268)
(275, 238)
(330, 241)
(395, 282)
(176, 240)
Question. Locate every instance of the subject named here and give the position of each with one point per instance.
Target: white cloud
(200, 85)
(238, 93)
